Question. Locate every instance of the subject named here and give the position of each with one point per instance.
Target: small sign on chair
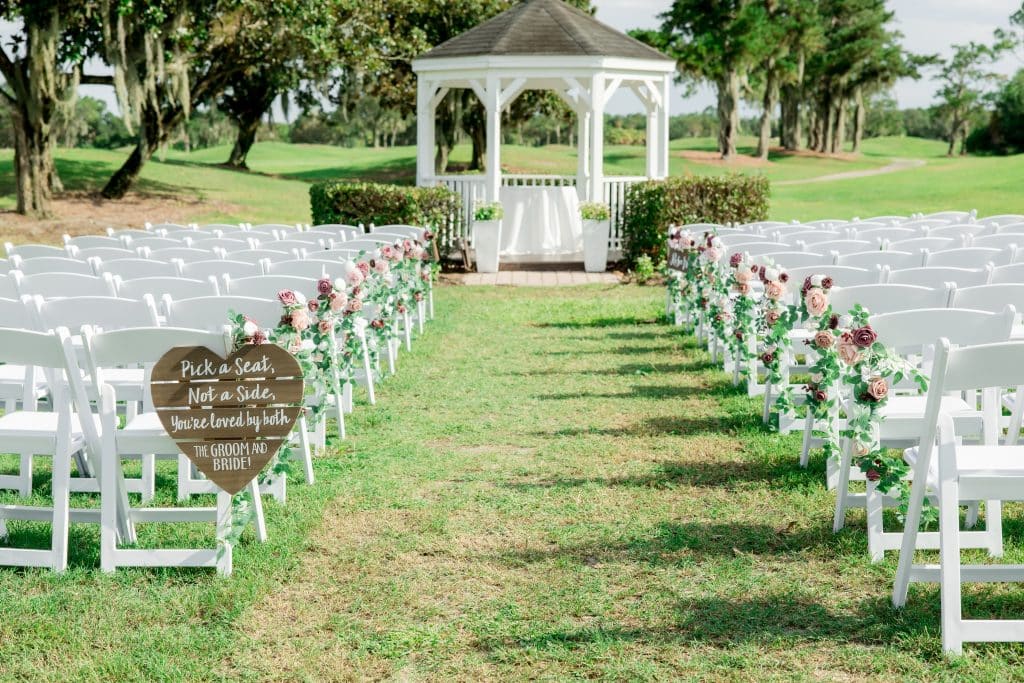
(228, 415)
(676, 259)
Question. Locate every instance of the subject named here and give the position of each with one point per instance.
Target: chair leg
(805, 448)
(259, 522)
(307, 457)
(873, 500)
(148, 477)
(223, 529)
(843, 487)
(949, 567)
(420, 314)
(407, 324)
(971, 519)
(368, 369)
(184, 478)
(994, 527)
(25, 476)
(61, 484)
(339, 409)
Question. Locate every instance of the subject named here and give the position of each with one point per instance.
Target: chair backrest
(297, 245)
(918, 328)
(365, 244)
(1013, 228)
(890, 233)
(951, 215)
(937, 277)
(823, 223)
(17, 313)
(843, 246)
(200, 270)
(50, 352)
(108, 253)
(1006, 241)
(6, 266)
(887, 220)
(751, 248)
(960, 232)
(410, 231)
(1002, 219)
(257, 255)
(886, 298)
(221, 227)
(185, 254)
(33, 251)
(797, 259)
(267, 286)
(226, 243)
(918, 243)
(842, 276)
(128, 234)
(212, 312)
(989, 297)
(348, 232)
(739, 237)
(1012, 273)
(94, 242)
(170, 227)
(10, 285)
(876, 259)
(134, 268)
(157, 287)
(926, 224)
(154, 243)
(104, 312)
(59, 285)
(313, 268)
(810, 237)
(281, 227)
(968, 257)
(53, 264)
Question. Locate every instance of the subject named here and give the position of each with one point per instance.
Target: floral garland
(743, 327)
(773, 322)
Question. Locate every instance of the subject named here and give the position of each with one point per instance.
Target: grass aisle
(558, 487)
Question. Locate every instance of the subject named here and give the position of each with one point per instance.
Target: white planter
(487, 242)
(595, 245)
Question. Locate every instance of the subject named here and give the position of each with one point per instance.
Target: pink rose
(824, 339)
(387, 251)
(743, 275)
(877, 388)
(774, 290)
(312, 305)
(325, 286)
(354, 305)
(324, 326)
(381, 266)
(771, 317)
(337, 301)
(711, 254)
(816, 302)
(743, 288)
(861, 449)
(849, 353)
(287, 297)
(355, 277)
(864, 336)
(364, 267)
(300, 319)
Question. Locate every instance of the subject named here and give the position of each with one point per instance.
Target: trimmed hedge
(355, 203)
(653, 205)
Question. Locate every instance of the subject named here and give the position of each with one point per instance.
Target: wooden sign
(676, 259)
(228, 415)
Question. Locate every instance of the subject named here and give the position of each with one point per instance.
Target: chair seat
(912, 407)
(12, 380)
(976, 462)
(144, 433)
(38, 427)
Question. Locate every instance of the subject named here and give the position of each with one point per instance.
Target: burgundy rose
(784, 277)
(738, 334)
(820, 396)
(872, 474)
(833, 322)
(312, 305)
(401, 308)
(767, 357)
(427, 236)
(325, 286)
(287, 297)
(735, 260)
(377, 324)
(864, 336)
(826, 282)
(807, 283)
(418, 296)
(364, 267)
(259, 337)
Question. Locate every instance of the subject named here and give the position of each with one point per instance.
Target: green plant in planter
(594, 211)
(488, 212)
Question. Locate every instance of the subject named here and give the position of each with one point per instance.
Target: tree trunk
(247, 130)
(789, 121)
(825, 125)
(728, 114)
(764, 138)
(154, 129)
(953, 133)
(839, 126)
(33, 165)
(474, 123)
(812, 128)
(444, 133)
(858, 119)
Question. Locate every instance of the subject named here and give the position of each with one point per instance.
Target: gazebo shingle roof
(543, 27)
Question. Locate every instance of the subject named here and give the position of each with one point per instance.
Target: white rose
(771, 274)
(250, 328)
(307, 345)
(816, 280)
(300, 297)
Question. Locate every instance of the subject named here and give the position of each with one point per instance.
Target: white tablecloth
(541, 221)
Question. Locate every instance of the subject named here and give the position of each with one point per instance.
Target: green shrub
(488, 212)
(644, 269)
(651, 206)
(355, 203)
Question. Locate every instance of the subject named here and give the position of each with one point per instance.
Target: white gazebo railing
(473, 190)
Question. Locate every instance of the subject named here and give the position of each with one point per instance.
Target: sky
(929, 26)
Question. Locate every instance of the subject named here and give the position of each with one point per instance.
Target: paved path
(896, 165)
(538, 278)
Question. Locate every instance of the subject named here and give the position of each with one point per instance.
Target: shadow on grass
(647, 392)
(85, 176)
(722, 424)
(622, 321)
(673, 474)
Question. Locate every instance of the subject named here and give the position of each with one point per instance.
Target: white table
(541, 222)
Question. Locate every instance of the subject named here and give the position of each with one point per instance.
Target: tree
(41, 76)
(964, 81)
(717, 42)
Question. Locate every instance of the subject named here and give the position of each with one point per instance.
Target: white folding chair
(185, 254)
(842, 276)
(797, 259)
(937, 277)
(52, 264)
(93, 254)
(836, 247)
(402, 229)
(158, 243)
(94, 241)
(144, 434)
(257, 255)
(1006, 241)
(301, 268)
(201, 270)
(267, 286)
(345, 232)
(883, 234)
(912, 334)
(135, 268)
(32, 251)
(877, 259)
(961, 233)
(750, 248)
(57, 434)
(1002, 219)
(1011, 229)
(228, 244)
(54, 285)
(918, 244)
(158, 287)
(959, 473)
(1007, 274)
(968, 257)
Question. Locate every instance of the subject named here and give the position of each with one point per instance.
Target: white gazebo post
(493, 106)
(653, 132)
(425, 109)
(666, 89)
(597, 100)
(582, 149)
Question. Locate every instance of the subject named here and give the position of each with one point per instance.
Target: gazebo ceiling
(539, 28)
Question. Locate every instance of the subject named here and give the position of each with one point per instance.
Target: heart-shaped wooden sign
(228, 415)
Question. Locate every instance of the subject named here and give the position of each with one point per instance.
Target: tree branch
(90, 79)
(7, 67)
(8, 96)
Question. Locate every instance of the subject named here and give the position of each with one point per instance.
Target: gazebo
(545, 45)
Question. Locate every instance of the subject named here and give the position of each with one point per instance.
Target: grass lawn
(555, 486)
